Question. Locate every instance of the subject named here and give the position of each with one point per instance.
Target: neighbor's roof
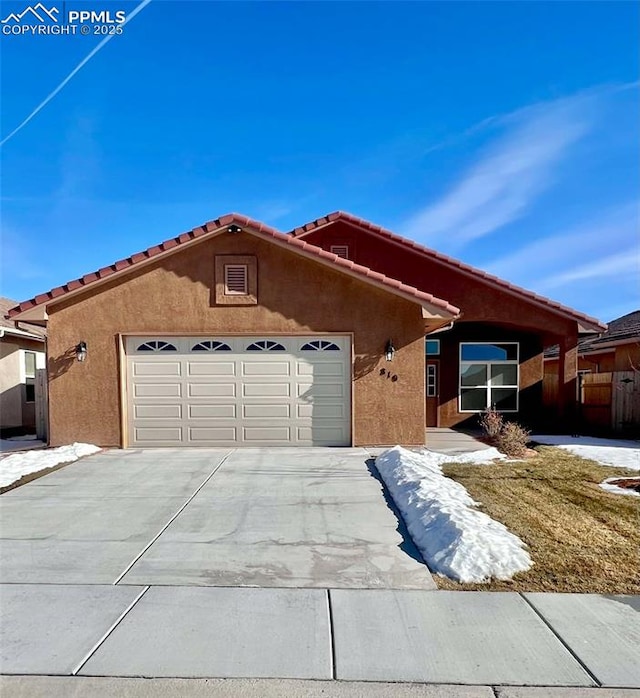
(554, 306)
(256, 227)
(24, 329)
(620, 330)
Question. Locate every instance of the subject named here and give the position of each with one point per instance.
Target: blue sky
(505, 134)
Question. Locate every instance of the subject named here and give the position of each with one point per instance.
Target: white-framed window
(236, 280)
(489, 376)
(432, 347)
(340, 251)
(30, 376)
(432, 380)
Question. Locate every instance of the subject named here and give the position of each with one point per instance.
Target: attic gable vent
(235, 280)
(340, 251)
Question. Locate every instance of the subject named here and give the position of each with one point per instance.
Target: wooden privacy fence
(42, 404)
(606, 401)
(612, 401)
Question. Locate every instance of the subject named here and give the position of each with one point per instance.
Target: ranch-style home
(336, 333)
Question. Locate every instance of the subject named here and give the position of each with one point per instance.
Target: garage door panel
(324, 368)
(266, 368)
(319, 390)
(335, 411)
(266, 434)
(209, 368)
(209, 397)
(154, 390)
(157, 368)
(212, 390)
(266, 390)
(212, 434)
(266, 411)
(212, 411)
(162, 410)
(150, 435)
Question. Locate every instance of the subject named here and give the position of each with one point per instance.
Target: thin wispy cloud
(74, 72)
(511, 173)
(616, 266)
(558, 253)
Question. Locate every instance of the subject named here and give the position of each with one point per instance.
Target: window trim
(489, 387)
(432, 389)
(29, 381)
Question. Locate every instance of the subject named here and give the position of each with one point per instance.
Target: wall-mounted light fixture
(81, 351)
(389, 351)
(234, 229)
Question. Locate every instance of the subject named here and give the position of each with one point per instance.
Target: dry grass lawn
(581, 538)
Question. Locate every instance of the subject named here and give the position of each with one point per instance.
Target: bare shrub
(491, 423)
(512, 440)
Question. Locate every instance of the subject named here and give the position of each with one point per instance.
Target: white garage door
(227, 391)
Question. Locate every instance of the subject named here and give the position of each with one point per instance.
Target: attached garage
(233, 391)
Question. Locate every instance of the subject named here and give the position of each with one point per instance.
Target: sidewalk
(478, 639)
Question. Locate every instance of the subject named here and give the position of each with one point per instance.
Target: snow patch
(609, 487)
(614, 452)
(20, 443)
(17, 465)
(455, 539)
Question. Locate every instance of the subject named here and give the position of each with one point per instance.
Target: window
(265, 345)
(210, 345)
(340, 251)
(432, 347)
(488, 376)
(30, 376)
(432, 380)
(156, 346)
(235, 280)
(320, 345)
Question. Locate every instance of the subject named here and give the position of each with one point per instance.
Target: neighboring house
(337, 333)
(22, 352)
(617, 349)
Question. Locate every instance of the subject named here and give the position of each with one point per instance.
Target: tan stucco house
(22, 353)
(336, 333)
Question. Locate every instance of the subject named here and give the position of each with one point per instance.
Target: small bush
(512, 440)
(491, 423)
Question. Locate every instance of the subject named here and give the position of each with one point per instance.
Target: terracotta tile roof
(5, 305)
(451, 262)
(255, 226)
(619, 330)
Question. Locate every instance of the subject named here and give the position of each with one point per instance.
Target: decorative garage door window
(320, 345)
(210, 345)
(156, 346)
(265, 345)
(489, 376)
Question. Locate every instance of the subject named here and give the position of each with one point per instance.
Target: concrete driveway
(251, 517)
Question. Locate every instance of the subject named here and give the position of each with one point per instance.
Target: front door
(432, 391)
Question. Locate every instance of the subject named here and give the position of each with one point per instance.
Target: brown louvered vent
(235, 279)
(340, 251)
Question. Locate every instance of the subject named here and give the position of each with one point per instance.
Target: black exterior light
(234, 229)
(389, 351)
(81, 351)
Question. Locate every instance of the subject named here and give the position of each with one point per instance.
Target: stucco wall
(177, 295)
(15, 412)
(478, 301)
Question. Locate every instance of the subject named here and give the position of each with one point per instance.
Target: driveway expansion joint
(120, 618)
(174, 517)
